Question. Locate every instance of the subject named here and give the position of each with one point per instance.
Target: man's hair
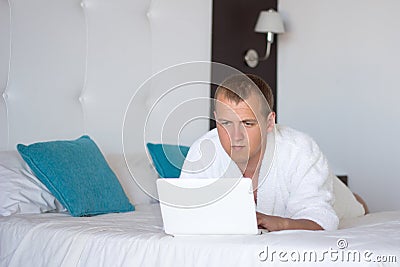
(239, 87)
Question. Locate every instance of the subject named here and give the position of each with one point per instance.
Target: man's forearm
(294, 224)
(276, 223)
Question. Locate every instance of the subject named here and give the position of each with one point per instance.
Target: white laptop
(223, 206)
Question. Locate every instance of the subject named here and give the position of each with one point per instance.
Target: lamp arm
(267, 52)
(251, 58)
(270, 40)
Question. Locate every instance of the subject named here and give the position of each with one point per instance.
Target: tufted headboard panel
(70, 67)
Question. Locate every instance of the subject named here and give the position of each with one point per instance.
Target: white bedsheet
(137, 239)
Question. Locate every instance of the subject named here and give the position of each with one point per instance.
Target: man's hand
(276, 223)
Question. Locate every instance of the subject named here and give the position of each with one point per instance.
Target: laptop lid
(207, 206)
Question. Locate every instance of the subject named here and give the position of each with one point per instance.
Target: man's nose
(238, 132)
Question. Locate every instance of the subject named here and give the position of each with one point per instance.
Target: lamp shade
(269, 21)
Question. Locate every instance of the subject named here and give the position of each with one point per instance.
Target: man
(291, 178)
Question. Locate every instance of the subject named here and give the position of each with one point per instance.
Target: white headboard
(70, 67)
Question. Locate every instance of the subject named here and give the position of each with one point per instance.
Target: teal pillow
(168, 159)
(77, 174)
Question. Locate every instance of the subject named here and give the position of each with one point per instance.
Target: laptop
(223, 206)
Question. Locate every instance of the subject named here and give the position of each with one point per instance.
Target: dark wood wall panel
(233, 34)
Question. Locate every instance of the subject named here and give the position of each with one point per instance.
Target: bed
(98, 68)
(45, 234)
(137, 239)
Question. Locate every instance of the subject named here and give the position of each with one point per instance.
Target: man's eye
(249, 123)
(225, 123)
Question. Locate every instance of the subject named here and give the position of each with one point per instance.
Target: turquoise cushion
(77, 174)
(168, 159)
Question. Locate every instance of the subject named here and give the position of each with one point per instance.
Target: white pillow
(20, 190)
(140, 189)
(345, 205)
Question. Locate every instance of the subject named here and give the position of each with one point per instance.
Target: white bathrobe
(294, 182)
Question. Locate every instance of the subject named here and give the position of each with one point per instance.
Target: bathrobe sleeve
(310, 186)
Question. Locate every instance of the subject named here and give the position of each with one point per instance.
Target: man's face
(242, 129)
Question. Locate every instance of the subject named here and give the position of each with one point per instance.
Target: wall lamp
(269, 22)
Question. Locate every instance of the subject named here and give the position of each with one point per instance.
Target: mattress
(137, 239)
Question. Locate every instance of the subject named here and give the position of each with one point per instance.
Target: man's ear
(271, 121)
(215, 116)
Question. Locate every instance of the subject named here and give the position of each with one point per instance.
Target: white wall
(70, 67)
(338, 70)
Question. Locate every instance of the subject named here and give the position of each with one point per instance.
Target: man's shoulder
(210, 135)
(207, 143)
(287, 136)
(287, 132)
(207, 159)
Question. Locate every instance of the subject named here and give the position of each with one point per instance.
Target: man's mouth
(237, 147)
